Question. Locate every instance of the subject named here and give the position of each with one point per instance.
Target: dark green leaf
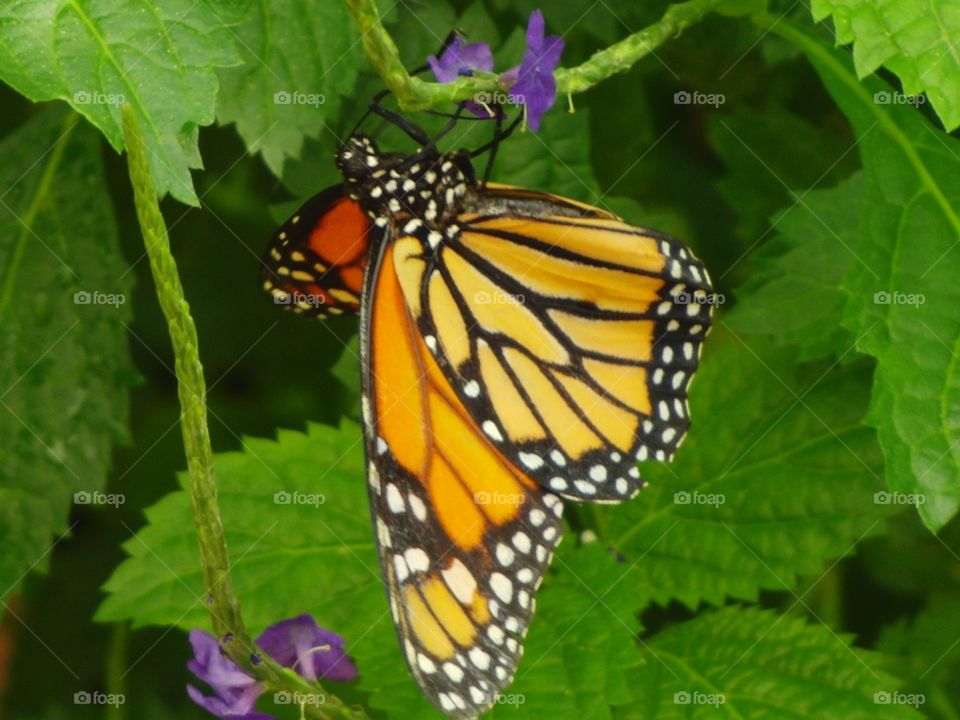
(752, 664)
(64, 360)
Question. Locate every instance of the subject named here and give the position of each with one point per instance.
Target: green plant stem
(116, 667)
(415, 94)
(220, 599)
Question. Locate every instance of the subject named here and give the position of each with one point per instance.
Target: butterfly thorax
(393, 188)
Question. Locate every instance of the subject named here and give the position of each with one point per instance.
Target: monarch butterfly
(517, 348)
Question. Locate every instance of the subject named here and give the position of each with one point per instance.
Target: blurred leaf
(747, 663)
(776, 478)
(911, 562)
(903, 290)
(796, 294)
(765, 173)
(915, 40)
(65, 365)
(925, 653)
(299, 58)
(556, 159)
(97, 56)
(347, 371)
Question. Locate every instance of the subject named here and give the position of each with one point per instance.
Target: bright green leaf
(299, 58)
(65, 364)
(776, 478)
(916, 39)
(903, 288)
(751, 664)
(159, 57)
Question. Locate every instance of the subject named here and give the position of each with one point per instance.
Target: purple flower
(299, 643)
(458, 59)
(235, 692)
(532, 82)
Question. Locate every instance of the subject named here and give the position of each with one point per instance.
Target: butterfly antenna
(499, 135)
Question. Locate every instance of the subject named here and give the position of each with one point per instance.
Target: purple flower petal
(235, 692)
(299, 643)
(458, 59)
(216, 706)
(532, 82)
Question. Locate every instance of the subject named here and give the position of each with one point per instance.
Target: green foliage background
(809, 591)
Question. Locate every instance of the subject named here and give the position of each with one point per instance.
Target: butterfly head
(426, 185)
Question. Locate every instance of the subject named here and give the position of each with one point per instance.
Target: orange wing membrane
(570, 336)
(464, 536)
(314, 265)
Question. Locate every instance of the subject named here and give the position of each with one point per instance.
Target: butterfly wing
(314, 264)
(464, 538)
(569, 336)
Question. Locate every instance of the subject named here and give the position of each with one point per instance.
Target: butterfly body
(517, 348)
(391, 187)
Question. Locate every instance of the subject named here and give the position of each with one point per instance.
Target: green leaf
(299, 58)
(64, 361)
(556, 159)
(347, 371)
(776, 478)
(746, 663)
(766, 174)
(915, 40)
(290, 555)
(903, 290)
(159, 57)
(795, 294)
(924, 651)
